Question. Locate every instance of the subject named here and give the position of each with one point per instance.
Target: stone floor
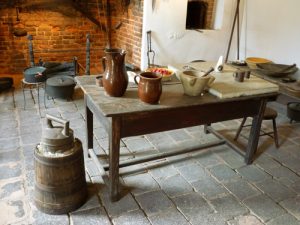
(213, 186)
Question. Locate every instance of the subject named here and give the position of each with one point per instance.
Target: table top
(172, 97)
(289, 88)
(225, 85)
(292, 89)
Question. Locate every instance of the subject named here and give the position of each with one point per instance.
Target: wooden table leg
(114, 154)
(89, 128)
(254, 133)
(206, 130)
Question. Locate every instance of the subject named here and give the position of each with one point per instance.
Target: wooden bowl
(253, 61)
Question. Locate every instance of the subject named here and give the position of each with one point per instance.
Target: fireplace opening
(196, 15)
(204, 14)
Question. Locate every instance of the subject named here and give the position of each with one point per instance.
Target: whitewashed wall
(172, 43)
(269, 29)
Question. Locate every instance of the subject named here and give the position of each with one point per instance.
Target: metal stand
(236, 18)
(27, 86)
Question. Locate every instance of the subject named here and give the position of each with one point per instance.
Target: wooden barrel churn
(60, 185)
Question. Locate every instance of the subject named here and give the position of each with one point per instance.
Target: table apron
(157, 121)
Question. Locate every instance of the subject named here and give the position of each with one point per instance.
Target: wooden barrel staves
(60, 185)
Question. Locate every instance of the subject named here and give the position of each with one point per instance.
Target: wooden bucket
(60, 185)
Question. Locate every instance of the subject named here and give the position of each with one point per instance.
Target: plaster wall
(172, 43)
(271, 30)
(268, 28)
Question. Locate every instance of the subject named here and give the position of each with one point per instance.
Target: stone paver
(176, 185)
(283, 172)
(296, 187)
(161, 141)
(96, 216)
(252, 173)
(245, 220)
(223, 173)
(264, 207)
(141, 183)
(40, 218)
(11, 189)
(241, 189)
(12, 211)
(209, 187)
(11, 170)
(7, 133)
(154, 202)
(138, 144)
(179, 135)
(162, 170)
(284, 219)
(170, 217)
(193, 172)
(192, 204)
(233, 159)
(10, 156)
(209, 219)
(212, 187)
(292, 205)
(206, 158)
(114, 209)
(136, 217)
(267, 163)
(228, 206)
(275, 190)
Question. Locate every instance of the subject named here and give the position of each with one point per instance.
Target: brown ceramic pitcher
(149, 87)
(115, 79)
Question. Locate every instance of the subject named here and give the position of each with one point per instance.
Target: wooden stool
(269, 114)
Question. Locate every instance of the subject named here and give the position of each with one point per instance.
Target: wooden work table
(128, 116)
(290, 89)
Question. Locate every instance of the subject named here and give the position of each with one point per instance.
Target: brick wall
(129, 35)
(209, 14)
(59, 33)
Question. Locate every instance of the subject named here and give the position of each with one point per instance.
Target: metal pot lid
(61, 81)
(34, 70)
(294, 106)
(56, 138)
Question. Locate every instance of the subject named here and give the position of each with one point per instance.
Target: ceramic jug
(115, 78)
(194, 83)
(149, 87)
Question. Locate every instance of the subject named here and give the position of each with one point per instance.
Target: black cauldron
(5, 83)
(60, 87)
(293, 111)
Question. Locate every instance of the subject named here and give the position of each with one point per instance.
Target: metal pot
(34, 74)
(60, 87)
(293, 111)
(5, 83)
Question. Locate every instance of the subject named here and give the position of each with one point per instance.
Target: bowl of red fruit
(165, 72)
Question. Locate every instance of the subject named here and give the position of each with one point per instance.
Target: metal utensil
(187, 67)
(153, 5)
(208, 72)
(150, 52)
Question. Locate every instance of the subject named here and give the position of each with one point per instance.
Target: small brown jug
(149, 87)
(115, 79)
